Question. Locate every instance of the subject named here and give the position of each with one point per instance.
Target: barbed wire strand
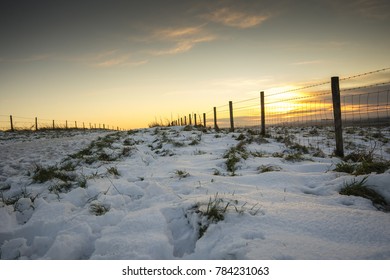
(365, 74)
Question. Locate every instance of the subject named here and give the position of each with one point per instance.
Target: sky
(128, 63)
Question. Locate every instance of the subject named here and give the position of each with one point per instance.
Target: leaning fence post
(337, 116)
(11, 122)
(215, 118)
(231, 116)
(262, 108)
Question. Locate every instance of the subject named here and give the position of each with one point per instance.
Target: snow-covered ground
(151, 193)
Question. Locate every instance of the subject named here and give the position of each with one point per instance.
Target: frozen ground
(167, 193)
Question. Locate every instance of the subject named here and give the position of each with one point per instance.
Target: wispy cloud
(235, 18)
(107, 59)
(179, 32)
(307, 62)
(183, 39)
(378, 9)
(104, 59)
(182, 46)
(32, 58)
(374, 9)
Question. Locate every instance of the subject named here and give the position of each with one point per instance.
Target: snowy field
(184, 193)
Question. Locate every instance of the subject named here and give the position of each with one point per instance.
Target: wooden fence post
(66, 124)
(185, 120)
(195, 122)
(204, 120)
(262, 108)
(189, 119)
(215, 118)
(54, 127)
(11, 122)
(231, 116)
(337, 116)
(36, 124)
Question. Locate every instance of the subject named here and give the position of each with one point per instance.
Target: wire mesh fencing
(18, 123)
(309, 110)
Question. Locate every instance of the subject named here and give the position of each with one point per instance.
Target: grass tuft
(98, 209)
(234, 155)
(345, 167)
(215, 210)
(44, 174)
(181, 174)
(268, 168)
(360, 188)
(295, 157)
(113, 171)
(363, 168)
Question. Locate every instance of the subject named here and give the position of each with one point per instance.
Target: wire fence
(364, 102)
(18, 123)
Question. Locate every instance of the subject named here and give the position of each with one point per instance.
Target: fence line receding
(363, 101)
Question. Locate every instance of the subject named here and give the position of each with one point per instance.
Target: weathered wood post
(11, 122)
(262, 109)
(189, 119)
(66, 124)
(215, 118)
(204, 119)
(195, 122)
(54, 127)
(337, 116)
(75, 124)
(231, 116)
(36, 124)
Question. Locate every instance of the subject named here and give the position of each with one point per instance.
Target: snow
(166, 177)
